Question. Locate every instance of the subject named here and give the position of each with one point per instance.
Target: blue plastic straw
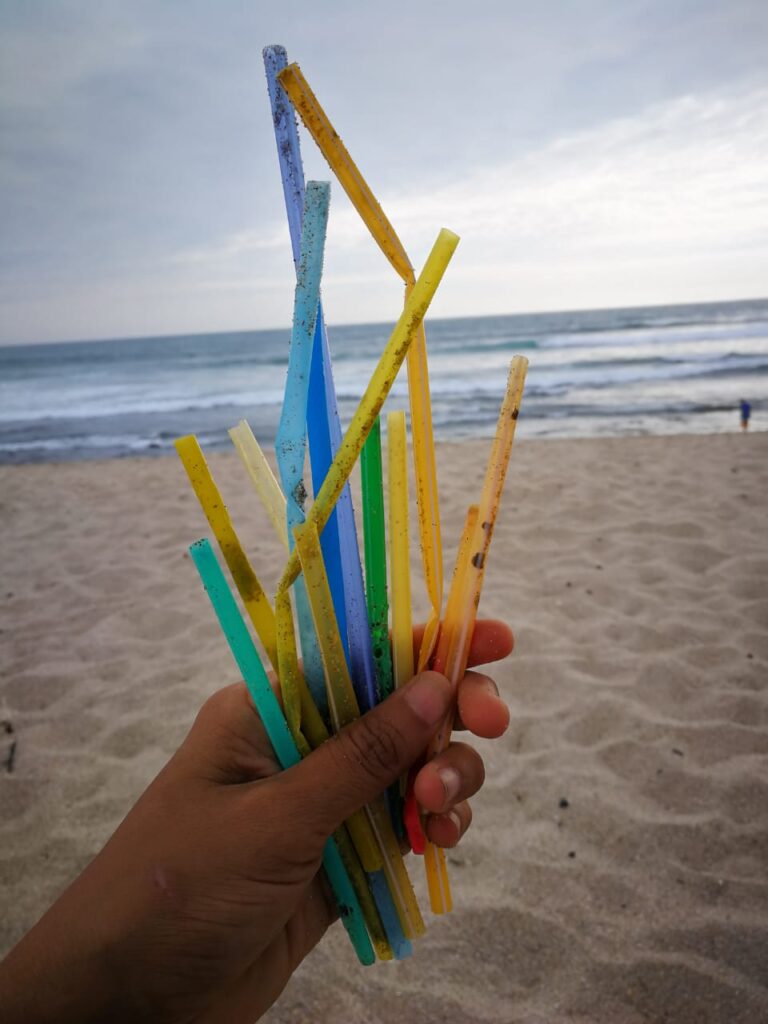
(252, 671)
(291, 439)
(339, 538)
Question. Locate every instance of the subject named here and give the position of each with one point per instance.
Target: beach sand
(617, 868)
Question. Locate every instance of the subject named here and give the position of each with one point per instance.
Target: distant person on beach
(746, 411)
(210, 894)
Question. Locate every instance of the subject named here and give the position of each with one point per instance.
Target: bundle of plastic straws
(353, 617)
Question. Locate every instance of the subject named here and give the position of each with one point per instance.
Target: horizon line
(376, 323)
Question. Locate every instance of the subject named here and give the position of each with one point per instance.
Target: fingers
(450, 778)
(492, 640)
(443, 787)
(447, 829)
(354, 767)
(480, 709)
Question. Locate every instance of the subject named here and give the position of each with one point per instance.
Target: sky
(589, 154)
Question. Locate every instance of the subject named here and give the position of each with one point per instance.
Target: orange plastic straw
(461, 611)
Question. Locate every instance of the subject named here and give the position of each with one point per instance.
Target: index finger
(492, 640)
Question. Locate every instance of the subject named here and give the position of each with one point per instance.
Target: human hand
(209, 894)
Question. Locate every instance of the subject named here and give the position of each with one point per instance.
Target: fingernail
(428, 696)
(453, 815)
(451, 781)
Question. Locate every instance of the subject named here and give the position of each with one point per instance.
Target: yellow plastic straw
(262, 477)
(313, 727)
(366, 204)
(362, 891)
(342, 702)
(304, 720)
(378, 388)
(453, 648)
(251, 591)
(399, 554)
(344, 709)
(295, 690)
(288, 669)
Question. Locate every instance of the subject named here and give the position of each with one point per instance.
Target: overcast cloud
(589, 154)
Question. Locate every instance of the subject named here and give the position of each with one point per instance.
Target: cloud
(612, 215)
(613, 155)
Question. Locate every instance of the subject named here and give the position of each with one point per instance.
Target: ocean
(650, 370)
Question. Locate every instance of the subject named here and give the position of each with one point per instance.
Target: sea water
(650, 370)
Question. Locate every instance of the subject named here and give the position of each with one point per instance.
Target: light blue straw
(339, 538)
(291, 439)
(255, 678)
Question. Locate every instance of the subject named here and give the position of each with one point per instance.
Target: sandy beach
(616, 869)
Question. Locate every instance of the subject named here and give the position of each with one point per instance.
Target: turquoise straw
(252, 671)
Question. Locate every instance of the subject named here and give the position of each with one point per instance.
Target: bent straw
(251, 591)
(366, 204)
(378, 387)
(343, 709)
(453, 647)
(376, 559)
(339, 538)
(262, 477)
(255, 678)
(291, 438)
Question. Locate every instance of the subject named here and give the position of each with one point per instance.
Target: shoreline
(217, 451)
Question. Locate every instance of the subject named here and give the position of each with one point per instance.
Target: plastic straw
(255, 678)
(435, 864)
(262, 477)
(339, 538)
(251, 591)
(343, 710)
(456, 636)
(291, 439)
(400, 560)
(378, 911)
(453, 649)
(289, 672)
(366, 204)
(376, 559)
(342, 702)
(378, 387)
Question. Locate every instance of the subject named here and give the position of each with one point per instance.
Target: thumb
(355, 766)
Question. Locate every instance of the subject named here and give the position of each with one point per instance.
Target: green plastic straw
(376, 560)
(255, 678)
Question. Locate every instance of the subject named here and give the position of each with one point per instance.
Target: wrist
(60, 971)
